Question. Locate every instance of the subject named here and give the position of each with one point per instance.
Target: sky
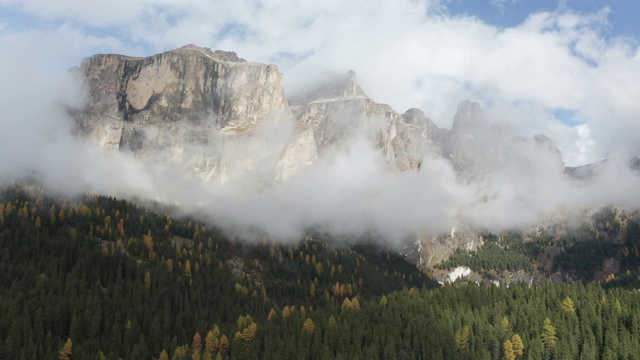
(568, 69)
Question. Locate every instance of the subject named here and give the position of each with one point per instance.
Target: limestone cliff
(475, 146)
(184, 106)
(127, 96)
(338, 110)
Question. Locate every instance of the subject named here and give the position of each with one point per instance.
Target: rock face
(475, 146)
(180, 106)
(339, 109)
(133, 101)
(431, 249)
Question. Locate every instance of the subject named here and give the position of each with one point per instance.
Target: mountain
(589, 171)
(187, 104)
(177, 106)
(220, 117)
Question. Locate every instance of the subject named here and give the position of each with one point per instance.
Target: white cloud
(406, 53)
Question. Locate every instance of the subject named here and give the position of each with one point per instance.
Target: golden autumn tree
(346, 304)
(548, 334)
(568, 305)
(196, 347)
(308, 327)
(120, 230)
(508, 350)
(187, 268)
(272, 314)
(67, 348)
(518, 345)
(148, 242)
(505, 323)
(224, 344)
(163, 355)
(147, 280)
(210, 342)
(355, 304)
(286, 312)
(249, 333)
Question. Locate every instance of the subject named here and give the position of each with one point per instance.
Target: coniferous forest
(101, 278)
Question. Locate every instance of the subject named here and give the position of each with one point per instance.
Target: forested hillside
(101, 278)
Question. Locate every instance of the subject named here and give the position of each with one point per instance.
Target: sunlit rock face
(179, 105)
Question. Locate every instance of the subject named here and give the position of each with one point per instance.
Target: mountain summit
(187, 105)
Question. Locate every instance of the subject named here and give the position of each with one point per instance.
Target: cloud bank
(555, 73)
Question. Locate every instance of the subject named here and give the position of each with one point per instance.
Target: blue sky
(569, 69)
(505, 13)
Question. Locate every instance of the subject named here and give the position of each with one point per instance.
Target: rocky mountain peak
(338, 87)
(227, 56)
(415, 117)
(177, 106)
(545, 141)
(468, 118)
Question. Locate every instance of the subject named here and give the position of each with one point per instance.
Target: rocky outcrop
(592, 170)
(134, 103)
(430, 249)
(339, 110)
(474, 145)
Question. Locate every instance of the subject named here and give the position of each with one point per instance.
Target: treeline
(101, 278)
(112, 280)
